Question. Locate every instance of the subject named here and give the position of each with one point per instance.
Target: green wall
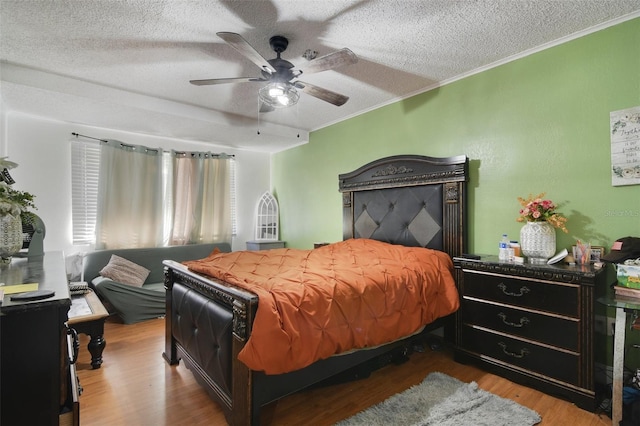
(537, 124)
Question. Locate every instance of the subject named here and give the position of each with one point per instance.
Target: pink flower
(538, 209)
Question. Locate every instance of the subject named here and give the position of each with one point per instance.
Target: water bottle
(503, 249)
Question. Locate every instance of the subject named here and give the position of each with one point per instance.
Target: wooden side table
(87, 315)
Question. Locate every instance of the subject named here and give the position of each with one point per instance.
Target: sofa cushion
(125, 271)
(134, 304)
(150, 258)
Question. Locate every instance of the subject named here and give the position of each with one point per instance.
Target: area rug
(445, 401)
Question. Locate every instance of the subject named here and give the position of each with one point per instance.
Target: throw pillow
(125, 271)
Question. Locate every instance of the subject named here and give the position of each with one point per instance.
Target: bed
(406, 200)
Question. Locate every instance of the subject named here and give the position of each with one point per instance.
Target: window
(85, 163)
(85, 166)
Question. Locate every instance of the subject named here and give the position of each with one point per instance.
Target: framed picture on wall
(625, 146)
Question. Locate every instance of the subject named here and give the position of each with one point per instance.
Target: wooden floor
(135, 386)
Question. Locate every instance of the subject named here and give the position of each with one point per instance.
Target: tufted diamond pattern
(365, 226)
(424, 228)
(316, 303)
(407, 216)
(203, 328)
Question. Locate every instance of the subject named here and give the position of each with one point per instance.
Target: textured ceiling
(127, 64)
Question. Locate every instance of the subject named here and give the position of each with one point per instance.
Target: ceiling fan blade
(241, 45)
(318, 92)
(211, 81)
(330, 61)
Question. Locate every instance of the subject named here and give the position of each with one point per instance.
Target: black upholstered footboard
(203, 329)
(206, 326)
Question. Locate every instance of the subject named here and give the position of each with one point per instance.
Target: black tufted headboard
(411, 200)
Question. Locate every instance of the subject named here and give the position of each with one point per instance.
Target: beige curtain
(129, 213)
(201, 198)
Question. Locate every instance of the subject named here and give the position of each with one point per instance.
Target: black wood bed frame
(409, 199)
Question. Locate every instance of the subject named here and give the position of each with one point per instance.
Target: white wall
(3, 119)
(42, 150)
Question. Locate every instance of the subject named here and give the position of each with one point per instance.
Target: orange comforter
(316, 303)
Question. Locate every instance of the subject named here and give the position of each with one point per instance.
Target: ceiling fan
(281, 75)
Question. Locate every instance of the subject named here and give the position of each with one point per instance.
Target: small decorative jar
(538, 241)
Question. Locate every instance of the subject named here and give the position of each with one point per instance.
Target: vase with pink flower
(538, 235)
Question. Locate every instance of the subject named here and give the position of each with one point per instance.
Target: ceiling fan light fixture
(279, 95)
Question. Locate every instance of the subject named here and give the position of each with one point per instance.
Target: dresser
(38, 381)
(533, 324)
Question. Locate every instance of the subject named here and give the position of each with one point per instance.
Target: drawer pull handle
(76, 345)
(523, 321)
(523, 290)
(523, 352)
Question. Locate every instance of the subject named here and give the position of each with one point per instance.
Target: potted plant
(14, 210)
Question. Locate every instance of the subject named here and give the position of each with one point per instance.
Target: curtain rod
(88, 137)
(150, 149)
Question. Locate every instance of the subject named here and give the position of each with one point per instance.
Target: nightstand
(533, 324)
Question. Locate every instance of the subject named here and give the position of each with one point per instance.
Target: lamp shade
(279, 95)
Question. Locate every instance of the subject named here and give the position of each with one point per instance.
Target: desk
(87, 315)
(39, 384)
(622, 306)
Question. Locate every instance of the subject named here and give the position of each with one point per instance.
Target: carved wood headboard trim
(377, 179)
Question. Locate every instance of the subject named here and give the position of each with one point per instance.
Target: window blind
(85, 165)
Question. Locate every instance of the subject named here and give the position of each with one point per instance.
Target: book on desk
(633, 293)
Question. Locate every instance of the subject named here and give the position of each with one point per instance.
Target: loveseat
(142, 300)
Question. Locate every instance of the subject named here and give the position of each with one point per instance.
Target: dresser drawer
(558, 298)
(561, 332)
(559, 365)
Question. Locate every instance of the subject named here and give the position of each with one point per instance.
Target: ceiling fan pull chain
(258, 117)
